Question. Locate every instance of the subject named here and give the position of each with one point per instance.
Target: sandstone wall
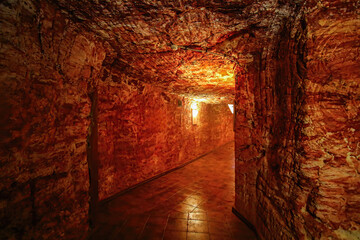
(46, 67)
(297, 128)
(144, 131)
(331, 157)
(63, 116)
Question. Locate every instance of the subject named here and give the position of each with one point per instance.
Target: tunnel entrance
(147, 128)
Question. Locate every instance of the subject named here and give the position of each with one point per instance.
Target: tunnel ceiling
(187, 47)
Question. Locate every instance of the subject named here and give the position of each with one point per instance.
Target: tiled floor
(192, 203)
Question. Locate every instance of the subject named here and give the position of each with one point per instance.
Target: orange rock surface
(95, 96)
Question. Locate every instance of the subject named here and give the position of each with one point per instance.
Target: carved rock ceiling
(186, 47)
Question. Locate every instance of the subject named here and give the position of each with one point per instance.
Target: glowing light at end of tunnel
(231, 107)
(194, 112)
(194, 106)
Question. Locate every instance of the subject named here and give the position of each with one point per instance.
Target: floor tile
(176, 214)
(221, 237)
(185, 208)
(128, 234)
(177, 224)
(218, 228)
(198, 226)
(198, 210)
(174, 235)
(192, 201)
(157, 221)
(197, 236)
(217, 216)
(198, 216)
(153, 232)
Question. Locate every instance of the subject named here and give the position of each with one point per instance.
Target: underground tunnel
(180, 119)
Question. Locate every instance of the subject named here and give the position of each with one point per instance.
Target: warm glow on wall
(194, 113)
(231, 107)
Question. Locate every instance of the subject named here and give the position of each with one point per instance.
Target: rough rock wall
(45, 69)
(297, 128)
(55, 111)
(331, 157)
(144, 131)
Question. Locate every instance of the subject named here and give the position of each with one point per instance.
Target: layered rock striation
(297, 172)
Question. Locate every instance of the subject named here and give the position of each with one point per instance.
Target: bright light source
(231, 106)
(194, 113)
(194, 106)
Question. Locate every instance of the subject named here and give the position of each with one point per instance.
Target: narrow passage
(192, 203)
